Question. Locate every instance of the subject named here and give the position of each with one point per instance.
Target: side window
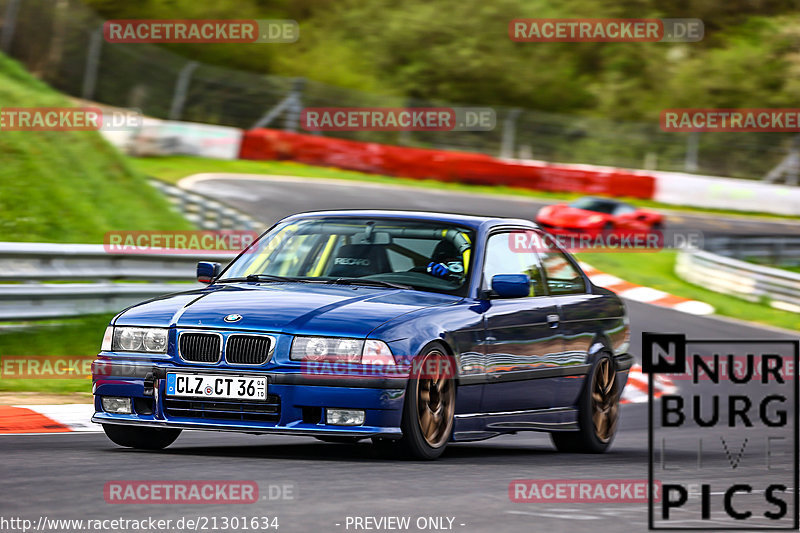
(624, 209)
(562, 277)
(502, 257)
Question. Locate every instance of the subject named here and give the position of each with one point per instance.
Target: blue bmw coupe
(411, 329)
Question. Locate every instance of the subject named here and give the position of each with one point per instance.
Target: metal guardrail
(24, 266)
(43, 280)
(775, 287)
(26, 269)
(777, 250)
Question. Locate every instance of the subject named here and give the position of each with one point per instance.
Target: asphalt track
(62, 476)
(271, 198)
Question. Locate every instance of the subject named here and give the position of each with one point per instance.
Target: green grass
(175, 168)
(68, 186)
(656, 270)
(69, 338)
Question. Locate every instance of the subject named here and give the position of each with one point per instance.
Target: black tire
(438, 410)
(608, 226)
(141, 438)
(599, 402)
(657, 226)
(339, 440)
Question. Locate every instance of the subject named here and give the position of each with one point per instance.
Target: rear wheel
(598, 413)
(142, 438)
(429, 407)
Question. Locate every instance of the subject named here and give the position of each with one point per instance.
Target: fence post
(509, 134)
(56, 50)
(690, 163)
(291, 103)
(789, 165)
(92, 64)
(296, 106)
(181, 88)
(9, 25)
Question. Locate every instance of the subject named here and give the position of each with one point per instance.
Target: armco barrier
(778, 288)
(442, 165)
(36, 262)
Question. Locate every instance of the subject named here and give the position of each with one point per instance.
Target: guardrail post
(181, 88)
(292, 104)
(9, 25)
(509, 134)
(296, 106)
(692, 142)
(92, 64)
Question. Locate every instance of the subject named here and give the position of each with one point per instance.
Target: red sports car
(596, 215)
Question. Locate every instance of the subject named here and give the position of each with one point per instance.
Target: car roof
(471, 221)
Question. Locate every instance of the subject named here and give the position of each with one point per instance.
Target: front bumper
(301, 401)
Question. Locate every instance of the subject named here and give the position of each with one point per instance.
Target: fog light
(121, 406)
(344, 417)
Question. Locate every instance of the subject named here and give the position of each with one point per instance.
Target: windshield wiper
(368, 283)
(259, 277)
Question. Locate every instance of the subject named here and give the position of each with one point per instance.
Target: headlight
(153, 340)
(341, 350)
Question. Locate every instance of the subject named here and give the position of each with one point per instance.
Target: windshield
(597, 205)
(423, 255)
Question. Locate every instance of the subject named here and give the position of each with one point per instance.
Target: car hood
(570, 216)
(294, 308)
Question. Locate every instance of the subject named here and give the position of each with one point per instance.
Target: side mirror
(511, 285)
(207, 271)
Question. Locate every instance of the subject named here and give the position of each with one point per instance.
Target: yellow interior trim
(257, 265)
(323, 258)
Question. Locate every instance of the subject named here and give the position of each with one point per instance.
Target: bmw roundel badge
(233, 318)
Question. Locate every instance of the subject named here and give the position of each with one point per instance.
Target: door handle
(552, 320)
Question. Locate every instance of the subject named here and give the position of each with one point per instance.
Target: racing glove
(442, 270)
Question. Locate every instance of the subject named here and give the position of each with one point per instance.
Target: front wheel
(141, 438)
(598, 413)
(429, 407)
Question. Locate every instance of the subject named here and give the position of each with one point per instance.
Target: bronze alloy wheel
(435, 402)
(605, 409)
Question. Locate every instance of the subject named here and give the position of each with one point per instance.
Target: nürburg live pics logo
(724, 446)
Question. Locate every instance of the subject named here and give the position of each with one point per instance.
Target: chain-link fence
(61, 42)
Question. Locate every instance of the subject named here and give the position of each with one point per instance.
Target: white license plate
(217, 386)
